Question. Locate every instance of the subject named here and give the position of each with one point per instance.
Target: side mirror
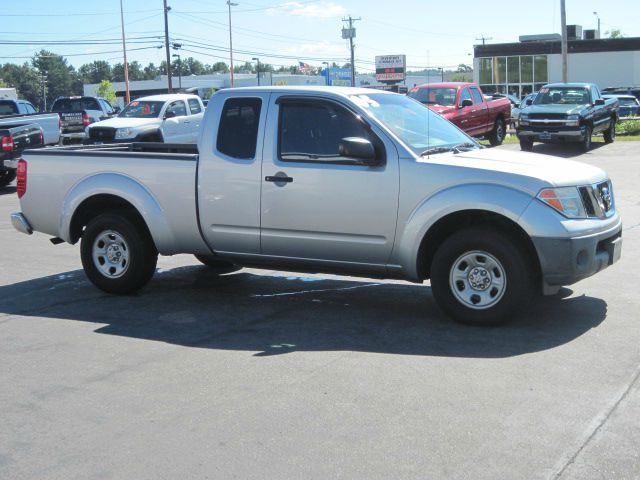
(599, 101)
(359, 149)
(466, 103)
(529, 102)
(116, 110)
(169, 115)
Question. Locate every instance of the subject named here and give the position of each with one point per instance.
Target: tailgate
(27, 137)
(71, 122)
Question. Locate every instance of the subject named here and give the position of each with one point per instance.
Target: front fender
(122, 186)
(501, 200)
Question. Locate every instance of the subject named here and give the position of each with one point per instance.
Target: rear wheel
(496, 137)
(586, 143)
(6, 177)
(216, 265)
(118, 255)
(526, 145)
(479, 276)
(610, 133)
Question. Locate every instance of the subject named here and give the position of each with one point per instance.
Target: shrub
(628, 127)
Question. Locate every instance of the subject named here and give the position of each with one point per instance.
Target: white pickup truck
(172, 118)
(331, 179)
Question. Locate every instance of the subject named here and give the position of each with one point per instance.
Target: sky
(281, 32)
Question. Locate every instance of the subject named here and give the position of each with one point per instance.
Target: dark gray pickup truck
(567, 112)
(12, 142)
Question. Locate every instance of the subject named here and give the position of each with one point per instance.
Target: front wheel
(610, 133)
(526, 145)
(479, 276)
(496, 137)
(118, 255)
(586, 143)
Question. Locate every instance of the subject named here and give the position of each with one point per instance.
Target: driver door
(173, 127)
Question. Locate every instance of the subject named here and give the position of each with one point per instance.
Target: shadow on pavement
(272, 315)
(565, 150)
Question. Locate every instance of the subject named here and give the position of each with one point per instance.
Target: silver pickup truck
(328, 179)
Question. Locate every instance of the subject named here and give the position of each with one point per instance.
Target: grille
(102, 133)
(550, 116)
(598, 199)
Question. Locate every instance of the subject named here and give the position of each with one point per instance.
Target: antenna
(483, 38)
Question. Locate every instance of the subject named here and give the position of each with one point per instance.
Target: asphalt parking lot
(262, 374)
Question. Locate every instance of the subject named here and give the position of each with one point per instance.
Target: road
(261, 375)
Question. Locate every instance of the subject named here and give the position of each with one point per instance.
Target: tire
(586, 143)
(216, 265)
(610, 133)
(526, 145)
(6, 177)
(118, 255)
(479, 276)
(496, 137)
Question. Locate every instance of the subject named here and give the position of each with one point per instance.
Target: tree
(25, 80)
(61, 78)
(462, 68)
(105, 90)
(95, 72)
(135, 72)
(151, 72)
(613, 33)
(220, 67)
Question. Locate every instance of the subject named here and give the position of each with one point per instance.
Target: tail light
(86, 119)
(41, 138)
(21, 174)
(7, 144)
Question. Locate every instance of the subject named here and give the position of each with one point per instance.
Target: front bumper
(20, 223)
(557, 136)
(73, 136)
(565, 261)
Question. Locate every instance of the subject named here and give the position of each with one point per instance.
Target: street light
(327, 64)
(179, 70)
(231, 4)
(257, 68)
(598, 16)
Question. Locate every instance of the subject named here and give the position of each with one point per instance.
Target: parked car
(173, 118)
(567, 112)
(628, 105)
(20, 113)
(12, 142)
(77, 113)
(343, 180)
(515, 111)
(464, 105)
(635, 91)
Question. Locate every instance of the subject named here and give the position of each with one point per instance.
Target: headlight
(573, 120)
(524, 119)
(565, 200)
(123, 133)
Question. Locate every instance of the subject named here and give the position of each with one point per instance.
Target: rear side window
(477, 96)
(238, 130)
(7, 107)
(194, 106)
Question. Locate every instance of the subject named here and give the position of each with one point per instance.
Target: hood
(441, 109)
(122, 122)
(558, 109)
(530, 171)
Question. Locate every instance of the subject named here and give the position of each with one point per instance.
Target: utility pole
(483, 38)
(127, 97)
(43, 80)
(231, 4)
(563, 25)
(166, 44)
(350, 33)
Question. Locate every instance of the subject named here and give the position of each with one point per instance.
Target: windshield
(142, 109)
(75, 105)
(563, 96)
(435, 95)
(413, 123)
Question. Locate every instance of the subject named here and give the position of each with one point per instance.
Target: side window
(178, 107)
(108, 109)
(238, 129)
(22, 108)
(311, 131)
(595, 94)
(477, 96)
(465, 95)
(194, 106)
(30, 108)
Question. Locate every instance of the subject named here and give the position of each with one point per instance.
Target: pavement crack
(599, 424)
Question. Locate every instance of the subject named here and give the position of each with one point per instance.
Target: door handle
(278, 179)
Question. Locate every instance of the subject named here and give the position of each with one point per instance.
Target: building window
(526, 69)
(513, 69)
(500, 70)
(486, 73)
(540, 68)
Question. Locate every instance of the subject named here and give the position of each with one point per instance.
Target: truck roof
(166, 97)
(570, 84)
(342, 91)
(448, 85)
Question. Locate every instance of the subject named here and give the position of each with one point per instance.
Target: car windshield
(142, 109)
(562, 95)
(75, 104)
(434, 95)
(626, 102)
(414, 124)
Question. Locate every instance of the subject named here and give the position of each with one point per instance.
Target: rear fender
(127, 189)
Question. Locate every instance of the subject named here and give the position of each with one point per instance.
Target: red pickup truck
(465, 105)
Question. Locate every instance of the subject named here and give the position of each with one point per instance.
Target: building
(523, 67)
